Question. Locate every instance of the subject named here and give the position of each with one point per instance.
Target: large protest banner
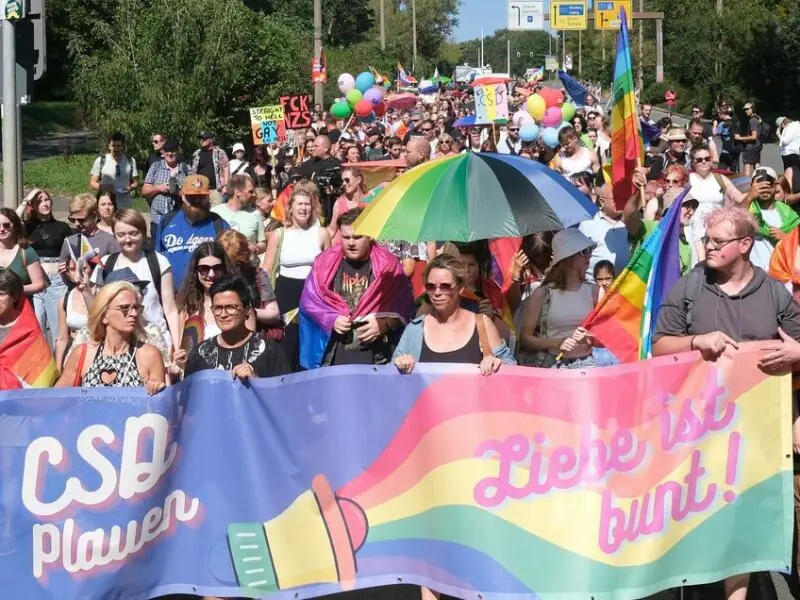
(267, 124)
(610, 483)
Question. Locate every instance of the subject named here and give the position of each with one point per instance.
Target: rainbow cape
(623, 320)
(25, 357)
(388, 295)
(627, 151)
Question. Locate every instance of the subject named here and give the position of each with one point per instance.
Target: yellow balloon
(536, 106)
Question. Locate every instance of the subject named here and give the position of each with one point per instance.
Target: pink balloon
(552, 117)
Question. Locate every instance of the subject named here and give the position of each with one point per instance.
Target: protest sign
(609, 483)
(297, 111)
(267, 124)
(491, 103)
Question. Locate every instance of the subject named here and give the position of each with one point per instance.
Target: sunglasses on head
(204, 270)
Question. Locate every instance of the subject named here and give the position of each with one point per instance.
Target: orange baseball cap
(196, 185)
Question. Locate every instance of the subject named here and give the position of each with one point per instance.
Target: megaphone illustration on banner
(267, 556)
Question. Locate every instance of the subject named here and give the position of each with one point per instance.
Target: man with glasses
(83, 218)
(510, 142)
(696, 134)
(236, 349)
(163, 184)
(428, 130)
(676, 154)
(158, 140)
(115, 172)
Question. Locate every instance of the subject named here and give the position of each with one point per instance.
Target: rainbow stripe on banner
(627, 151)
(624, 318)
(531, 484)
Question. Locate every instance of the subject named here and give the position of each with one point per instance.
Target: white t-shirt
(247, 222)
(120, 177)
(153, 310)
(790, 139)
(612, 243)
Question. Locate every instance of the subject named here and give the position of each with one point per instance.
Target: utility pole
(717, 64)
(564, 50)
(481, 61)
(383, 24)
(11, 186)
(318, 99)
(580, 53)
(640, 69)
(414, 34)
(508, 56)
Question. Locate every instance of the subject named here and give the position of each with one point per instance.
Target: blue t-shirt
(180, 238)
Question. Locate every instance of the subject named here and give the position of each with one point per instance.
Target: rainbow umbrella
(474, 196)
(374, 192)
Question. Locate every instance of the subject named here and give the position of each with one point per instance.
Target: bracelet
(691, 343)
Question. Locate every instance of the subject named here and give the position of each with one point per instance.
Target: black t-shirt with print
(351, 281)
(205, 166)
(264, 355)
(47, 237)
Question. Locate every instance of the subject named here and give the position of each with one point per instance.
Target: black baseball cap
(207, 135)
(171, 145)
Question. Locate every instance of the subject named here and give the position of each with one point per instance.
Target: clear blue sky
(474, 14)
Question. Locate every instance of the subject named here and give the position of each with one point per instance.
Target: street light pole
(318, 47)
(508, 57)
(640, 70)
(11, 187)
(414, 34)
(383, 24)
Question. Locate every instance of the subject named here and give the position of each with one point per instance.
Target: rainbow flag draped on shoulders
(388, 295)
(627, 151)
(624, 318)
(25, 357)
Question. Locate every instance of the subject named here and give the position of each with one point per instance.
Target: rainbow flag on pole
(627, 151)
(625, 317)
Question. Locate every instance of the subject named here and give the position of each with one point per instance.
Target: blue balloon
(529, 132)
(364, 82)
(550, 136)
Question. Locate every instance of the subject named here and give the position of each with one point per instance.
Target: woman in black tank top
(450, 334)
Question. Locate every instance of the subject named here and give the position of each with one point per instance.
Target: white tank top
(75, 319)
(298, 250)
(568, 310)
(577, 163)
(707, 191)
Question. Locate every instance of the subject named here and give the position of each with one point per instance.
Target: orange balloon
(552, 97)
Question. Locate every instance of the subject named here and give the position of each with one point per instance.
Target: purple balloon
(374, 95)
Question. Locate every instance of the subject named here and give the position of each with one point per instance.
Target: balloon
(536, 106)
(567, 111)
(341, 109)
(529, 132)
(552, 117)
(363, 108)
(379, 109)
(346, 82)
(550, 136)
(370, 118)
(353, 96)
(565, 124)
(374, 95)
(552, 96)
(364, 81)
(520, 118)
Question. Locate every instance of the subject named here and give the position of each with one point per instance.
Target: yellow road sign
(606, 13)
(568, 16)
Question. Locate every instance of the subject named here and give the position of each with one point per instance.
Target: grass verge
(43, 118)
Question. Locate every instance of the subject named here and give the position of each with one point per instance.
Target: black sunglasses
(204, 270)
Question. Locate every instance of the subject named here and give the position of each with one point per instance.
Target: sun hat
(124, 274)
(676, 134)
(238, 147)
(568, 242)
(779, 121)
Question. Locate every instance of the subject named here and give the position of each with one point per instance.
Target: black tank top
(469, 353)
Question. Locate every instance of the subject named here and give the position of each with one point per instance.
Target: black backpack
(152, 264)
(764, 131)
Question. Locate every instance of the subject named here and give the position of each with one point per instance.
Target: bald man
(608, 232)
(418, 151)
(321, 159)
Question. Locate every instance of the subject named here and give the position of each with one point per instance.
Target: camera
(174, 188)
(330, 178)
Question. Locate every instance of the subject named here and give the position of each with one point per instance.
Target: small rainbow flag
(623, 320)
(25, 357)
(627, 151)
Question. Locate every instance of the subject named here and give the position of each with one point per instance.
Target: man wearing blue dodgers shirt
(182, 230)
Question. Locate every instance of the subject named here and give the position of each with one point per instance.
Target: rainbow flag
(627, 151)
(623, 320)
(25, 357)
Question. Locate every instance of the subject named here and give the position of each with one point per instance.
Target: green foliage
(62, 175)
(187, 65)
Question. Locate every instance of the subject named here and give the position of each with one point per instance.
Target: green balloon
(341, 110)
(567, 111)
(353, 96)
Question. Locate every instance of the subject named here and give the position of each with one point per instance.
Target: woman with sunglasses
(712, 190)
(446, 146)
(116, 356)
(209, 262)
(449, 333)
(17, 256)
(551, 323)
(354, 191)
(46, 236)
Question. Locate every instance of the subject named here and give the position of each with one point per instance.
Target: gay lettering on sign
(297, 111)
(622, 481)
